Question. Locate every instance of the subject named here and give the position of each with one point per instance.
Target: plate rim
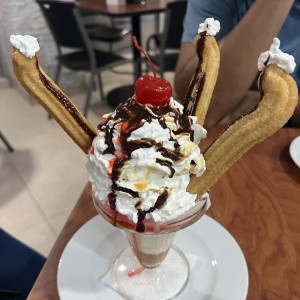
(292, 151)
(193, 228)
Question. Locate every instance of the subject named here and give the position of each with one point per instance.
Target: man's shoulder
(228, 12)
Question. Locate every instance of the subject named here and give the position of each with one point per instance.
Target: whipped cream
(161, 151)
(26, 44)
(210, 26)
(283, 60)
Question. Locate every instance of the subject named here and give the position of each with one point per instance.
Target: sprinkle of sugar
(26, 44)
(210, 26)
(283, 60)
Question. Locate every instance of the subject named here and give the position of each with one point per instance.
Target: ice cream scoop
(141, 160)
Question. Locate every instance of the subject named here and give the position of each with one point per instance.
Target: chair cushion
(79, 60)
(106, 34)
(19, 265)
(105, 59)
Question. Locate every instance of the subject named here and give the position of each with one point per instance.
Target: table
(134, 11)
(257, 200)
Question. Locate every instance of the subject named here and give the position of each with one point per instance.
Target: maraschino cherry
(151, 90)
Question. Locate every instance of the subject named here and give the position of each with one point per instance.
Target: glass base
(135, 282)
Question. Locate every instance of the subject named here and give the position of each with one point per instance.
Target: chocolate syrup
(168, 164)
(129, 116)
(174, 155)
(112, 200)
(65, 102)
(198, 80)
(160, 202)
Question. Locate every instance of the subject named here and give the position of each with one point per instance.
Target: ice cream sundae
(141, 160)
(146, 168)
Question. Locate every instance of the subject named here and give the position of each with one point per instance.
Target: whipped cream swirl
(210, 26)
(283, 60)
(141, 160)
(26, 44)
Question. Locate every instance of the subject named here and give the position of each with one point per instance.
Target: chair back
(62, 23)
(173, 27)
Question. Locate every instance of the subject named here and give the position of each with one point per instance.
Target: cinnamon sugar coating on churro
(279, 97)
(53, 99)
(203, 82)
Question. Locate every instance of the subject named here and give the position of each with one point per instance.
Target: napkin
(108, 280)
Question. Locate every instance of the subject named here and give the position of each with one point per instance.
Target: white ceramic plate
(219, 272)
(295, 150)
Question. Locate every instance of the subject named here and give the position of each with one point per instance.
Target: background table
(134, 11)
(257, 200)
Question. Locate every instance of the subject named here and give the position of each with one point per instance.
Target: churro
(279, 97)
(204, 79)
(34, 80)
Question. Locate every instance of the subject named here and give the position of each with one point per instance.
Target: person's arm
(239, 53)
(185, 68)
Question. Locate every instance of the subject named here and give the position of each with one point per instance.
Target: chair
(19, 267)
(67, 26)
(163, 48)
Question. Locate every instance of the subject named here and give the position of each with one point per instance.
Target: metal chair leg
(6, 142)
(89, 94)
(101, 87)
(57, 74)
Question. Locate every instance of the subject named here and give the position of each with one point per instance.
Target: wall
(24, 17)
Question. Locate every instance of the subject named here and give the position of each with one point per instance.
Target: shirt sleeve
(225, 11)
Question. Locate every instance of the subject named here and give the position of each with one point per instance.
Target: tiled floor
(41, 181)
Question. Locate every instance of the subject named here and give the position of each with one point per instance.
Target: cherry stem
(137, 46)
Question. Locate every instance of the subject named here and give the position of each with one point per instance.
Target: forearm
(185, 68)
(239, 53)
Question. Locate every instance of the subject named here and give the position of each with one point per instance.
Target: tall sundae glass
(140, 164)
(151, 267)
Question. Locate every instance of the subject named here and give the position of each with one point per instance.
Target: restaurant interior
(44, 180)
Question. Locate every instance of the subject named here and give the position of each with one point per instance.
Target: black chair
(19, 267)
(67, 26)
(163, 48)
(100, 32)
